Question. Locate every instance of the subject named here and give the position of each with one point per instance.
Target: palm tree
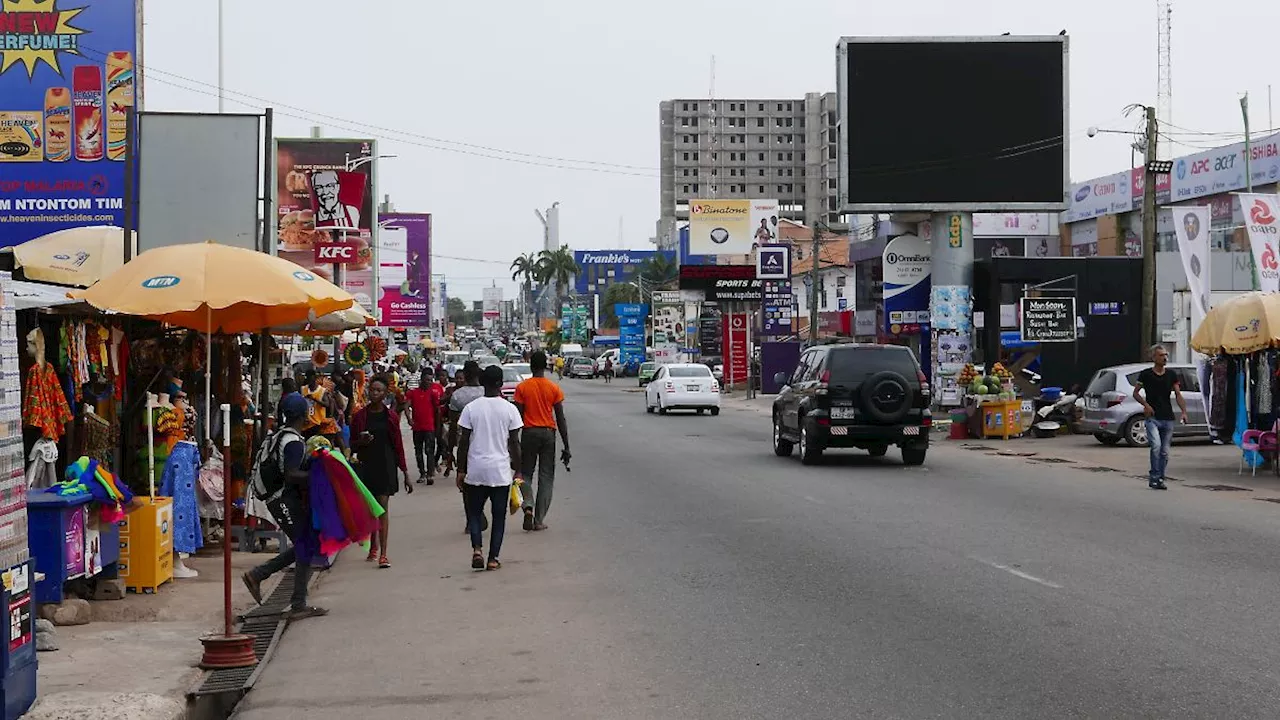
(524, 270)
(659, 270)
(558, 267)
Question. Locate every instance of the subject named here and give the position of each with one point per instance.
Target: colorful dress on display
(181, 474)
(343, 511)
(44, 404)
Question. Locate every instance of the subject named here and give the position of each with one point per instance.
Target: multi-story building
(741, 149)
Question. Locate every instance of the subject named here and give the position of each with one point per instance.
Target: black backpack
(268, 474)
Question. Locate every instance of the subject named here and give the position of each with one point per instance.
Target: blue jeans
(1159, 436)
(474, 498)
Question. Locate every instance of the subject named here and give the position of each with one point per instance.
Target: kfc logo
(336, 253)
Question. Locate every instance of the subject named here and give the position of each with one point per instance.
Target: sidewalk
(137, 658)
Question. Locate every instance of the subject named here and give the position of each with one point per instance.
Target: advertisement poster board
(668, 327)
(907, 268)
(301, 209)
(735, 348)
(64, 113)
(404, 270)
(731, 227)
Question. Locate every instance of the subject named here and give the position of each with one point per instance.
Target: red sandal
(384, 563)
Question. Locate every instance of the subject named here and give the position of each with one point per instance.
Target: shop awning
(30, 295)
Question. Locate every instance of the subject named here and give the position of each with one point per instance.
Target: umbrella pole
(151, 446)
(226, 514)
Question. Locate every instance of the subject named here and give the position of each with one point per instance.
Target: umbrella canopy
(1247, 323)
(77, 256)
(215, 288)
(335, 323)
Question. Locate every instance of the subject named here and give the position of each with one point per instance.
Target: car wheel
(913, 456)
(781, 447)
(1135, 432)
(661, 410)
(1106, 439)
(809, 454)
(715, 412)
(878, 450)
(647, 407)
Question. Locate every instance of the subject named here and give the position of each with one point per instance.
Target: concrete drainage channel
(216, 695)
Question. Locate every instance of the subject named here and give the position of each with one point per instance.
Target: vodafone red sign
(734, 333)
(336, 253)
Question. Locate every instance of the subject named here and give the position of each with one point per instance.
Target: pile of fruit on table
(997, 386)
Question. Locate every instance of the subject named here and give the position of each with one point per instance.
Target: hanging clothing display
(1264, 378)
(44, 405)
(42, 472)
(181, 474)
(99, 439)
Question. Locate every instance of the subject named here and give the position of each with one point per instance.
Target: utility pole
(1149, 235)
(1248, 147)
(813, 284)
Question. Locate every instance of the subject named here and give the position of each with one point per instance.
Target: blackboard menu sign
(1048, 319)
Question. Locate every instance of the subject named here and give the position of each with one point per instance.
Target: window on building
(782, 188)
(831, 203)
(695, 172)
(762, 187)
(779, 172)
(742, 139)
(801, 157)
(788, 107)
(779, 107)
(686, 156)
(799, 248)
(733, 139)
(695, 107)
(777, 122)
(685, 107)
(686, 189)
(833, 183)
(714, 172)
(686, 172)
(694, 122)
(761, 107)
(715, 189)
(760, 139)
(801, 122)
(789, 172)
(761, 157)
(759, 122)
(762, 173)
(779, 157)
(840, 281)
(714, 156)
(695, 156)
(695, 187)
(789, 122)
(831, 152)
(788, 156)
(684, 122)
(832, 117)
(790, 188)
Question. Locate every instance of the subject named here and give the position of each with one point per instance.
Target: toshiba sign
(336, 253)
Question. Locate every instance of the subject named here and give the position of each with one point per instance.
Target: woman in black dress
(375, 436)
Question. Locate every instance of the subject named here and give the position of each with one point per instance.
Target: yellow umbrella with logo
(216, 289)
(75, 256)
(1244, 324)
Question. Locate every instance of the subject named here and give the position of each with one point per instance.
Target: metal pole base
(227, 651)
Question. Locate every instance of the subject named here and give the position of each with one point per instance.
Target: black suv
(852, 395)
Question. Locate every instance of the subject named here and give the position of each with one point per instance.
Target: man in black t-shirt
(1155, 388)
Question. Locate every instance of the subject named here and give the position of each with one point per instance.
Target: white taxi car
(682, 387)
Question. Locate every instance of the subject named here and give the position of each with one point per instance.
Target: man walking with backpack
(279, 479)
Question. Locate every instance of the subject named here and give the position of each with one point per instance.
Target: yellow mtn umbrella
(335, 323)
(76, 256)
(216, 288)
(1247, 323)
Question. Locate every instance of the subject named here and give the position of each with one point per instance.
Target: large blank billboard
(953, 124)
(198, 179)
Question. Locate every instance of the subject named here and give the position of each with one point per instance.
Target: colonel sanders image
(330, 212)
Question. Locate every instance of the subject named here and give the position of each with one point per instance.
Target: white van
(613, 354)
(570, 350)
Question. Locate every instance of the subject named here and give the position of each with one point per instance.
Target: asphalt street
(689, 573)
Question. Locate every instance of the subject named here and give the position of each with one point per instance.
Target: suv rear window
(1103, 382)
(856, 364)
(690, 372)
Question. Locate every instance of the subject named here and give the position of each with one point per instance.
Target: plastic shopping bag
(517, 498)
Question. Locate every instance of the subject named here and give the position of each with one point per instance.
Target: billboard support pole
(951, 264)
(130, 187)
(815, 262)
(1149, 236)
(264, 245)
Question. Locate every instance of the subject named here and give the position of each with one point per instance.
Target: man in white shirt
(488, 462)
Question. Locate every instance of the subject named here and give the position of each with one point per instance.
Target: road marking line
(1018, 573)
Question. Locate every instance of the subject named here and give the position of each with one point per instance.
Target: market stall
(1241, 339)
(217, 289)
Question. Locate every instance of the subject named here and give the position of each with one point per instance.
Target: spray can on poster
(119, 101)
(86, 95)
(57, 124)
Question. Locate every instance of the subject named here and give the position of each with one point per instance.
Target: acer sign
(1260, 220)
(336, 253)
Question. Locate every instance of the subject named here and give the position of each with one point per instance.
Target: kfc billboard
(324, 200)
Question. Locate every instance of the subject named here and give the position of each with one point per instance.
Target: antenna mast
(1164, 86)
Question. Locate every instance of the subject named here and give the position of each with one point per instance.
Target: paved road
(688, 573)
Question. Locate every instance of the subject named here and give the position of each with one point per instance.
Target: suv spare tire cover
(885, 397)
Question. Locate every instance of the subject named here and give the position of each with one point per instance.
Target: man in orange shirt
(541, 404)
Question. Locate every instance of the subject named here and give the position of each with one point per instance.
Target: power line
(424, 141)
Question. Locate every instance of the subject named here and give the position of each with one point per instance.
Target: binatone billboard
(953, 123)
(67, 83)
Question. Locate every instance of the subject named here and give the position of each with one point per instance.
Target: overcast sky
(581, 80)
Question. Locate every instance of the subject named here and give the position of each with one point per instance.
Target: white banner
(1191, 224)
(1260, 217)
(1102, 196)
